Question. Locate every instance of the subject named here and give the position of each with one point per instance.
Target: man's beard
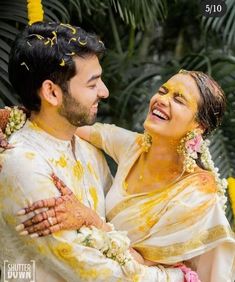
(75, 113)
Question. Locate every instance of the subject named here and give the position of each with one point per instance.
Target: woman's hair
(212, 105)
(45, 51)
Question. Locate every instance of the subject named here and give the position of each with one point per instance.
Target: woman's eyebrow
(164, 88)
(180, 95)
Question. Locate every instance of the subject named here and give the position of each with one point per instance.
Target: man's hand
(63, 213)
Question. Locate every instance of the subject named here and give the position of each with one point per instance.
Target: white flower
(99, 240)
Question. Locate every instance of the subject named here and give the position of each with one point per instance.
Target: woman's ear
(200, 129)
(51, 93)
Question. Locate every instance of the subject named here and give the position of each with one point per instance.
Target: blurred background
(147, 42)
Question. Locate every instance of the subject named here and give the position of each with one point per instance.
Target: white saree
(181, 223)
(25, 177)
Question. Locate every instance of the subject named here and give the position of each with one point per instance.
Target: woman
(166, 192)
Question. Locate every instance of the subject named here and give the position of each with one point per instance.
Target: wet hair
(46, 51)
(212, 105)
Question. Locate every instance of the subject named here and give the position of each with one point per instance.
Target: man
(55, 70)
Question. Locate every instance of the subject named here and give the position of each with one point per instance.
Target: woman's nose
(164, 99)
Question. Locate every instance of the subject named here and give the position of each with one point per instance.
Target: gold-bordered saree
(183, 222)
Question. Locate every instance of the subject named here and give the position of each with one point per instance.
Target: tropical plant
(147, 42)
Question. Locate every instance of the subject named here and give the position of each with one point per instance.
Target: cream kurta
(182, 222)
(25, 178)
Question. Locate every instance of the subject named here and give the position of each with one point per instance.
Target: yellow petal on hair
(72, 39)
(70, 27)
(48, 41)
(24, 64)
(70, 54)
(83, 43)
(62, 64)
(40, 37)
(54, 37)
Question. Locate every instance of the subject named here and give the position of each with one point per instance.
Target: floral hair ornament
(11, 120)
(16, 120)
(189, 147)
(193, 147)
(35, 11)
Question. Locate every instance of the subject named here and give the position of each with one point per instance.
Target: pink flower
(189, 275)
(194, 144)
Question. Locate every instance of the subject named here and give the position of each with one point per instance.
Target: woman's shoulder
(204, 180)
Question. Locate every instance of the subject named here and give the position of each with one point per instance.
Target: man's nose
(103, 91)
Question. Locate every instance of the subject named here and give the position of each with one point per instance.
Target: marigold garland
(35, 11)
(231, 191)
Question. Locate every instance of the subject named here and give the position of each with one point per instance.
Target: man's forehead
(88, 66)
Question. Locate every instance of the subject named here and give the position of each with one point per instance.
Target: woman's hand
(136, 256)
(63, 213)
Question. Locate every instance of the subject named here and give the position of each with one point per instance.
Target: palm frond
(224, 26)
(140, 13)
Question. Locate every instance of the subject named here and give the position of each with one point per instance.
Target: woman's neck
(163, 158)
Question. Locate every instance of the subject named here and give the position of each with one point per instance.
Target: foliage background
(147, 41)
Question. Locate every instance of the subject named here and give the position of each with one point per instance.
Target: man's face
(85, 89)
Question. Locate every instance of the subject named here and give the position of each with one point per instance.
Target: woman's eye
(161, 92)
(179, 100)
(92, 86)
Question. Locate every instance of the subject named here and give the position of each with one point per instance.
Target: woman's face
(173, 108)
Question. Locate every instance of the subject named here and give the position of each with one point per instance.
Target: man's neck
(54, 125)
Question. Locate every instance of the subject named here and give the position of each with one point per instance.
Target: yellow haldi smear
(78, 170)
(93, 193)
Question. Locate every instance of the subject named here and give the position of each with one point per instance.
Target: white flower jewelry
(16, 120)
(189, 147)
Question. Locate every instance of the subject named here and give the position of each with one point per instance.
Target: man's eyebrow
(94, 77)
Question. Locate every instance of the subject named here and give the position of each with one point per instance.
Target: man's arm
(25, 180)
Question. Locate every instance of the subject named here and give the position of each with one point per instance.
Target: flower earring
(145, 142)
(190, 146)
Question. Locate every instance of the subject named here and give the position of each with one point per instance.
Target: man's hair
(45, 51)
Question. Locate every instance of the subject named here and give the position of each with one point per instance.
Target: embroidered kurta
(25, 178)
(181, 222)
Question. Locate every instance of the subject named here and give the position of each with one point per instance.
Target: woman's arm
(84, 132)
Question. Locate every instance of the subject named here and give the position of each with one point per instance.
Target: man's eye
(92, 86)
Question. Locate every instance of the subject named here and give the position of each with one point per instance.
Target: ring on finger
(50, 220)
